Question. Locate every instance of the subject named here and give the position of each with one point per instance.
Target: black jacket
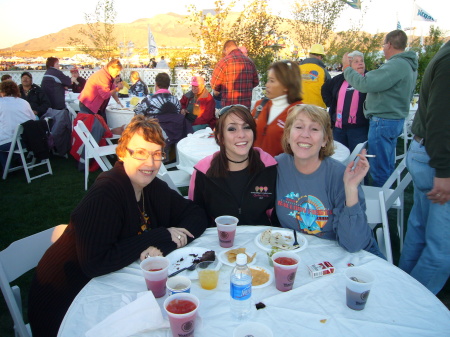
(37, 98)
(330, 94)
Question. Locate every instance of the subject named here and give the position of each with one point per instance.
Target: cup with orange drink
(208, 274)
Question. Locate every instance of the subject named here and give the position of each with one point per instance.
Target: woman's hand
(150, 251)
(353, 177)
(179, 236)
(183, 111)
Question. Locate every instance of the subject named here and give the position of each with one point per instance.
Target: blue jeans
(426, 250)
(382, 140)
(351, 137)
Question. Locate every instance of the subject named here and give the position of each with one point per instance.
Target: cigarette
(367, 155)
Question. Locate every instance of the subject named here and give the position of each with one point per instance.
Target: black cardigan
(102, 237)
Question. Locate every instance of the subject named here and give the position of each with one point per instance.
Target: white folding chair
(407, 134)
(17, 148)
(93, 151)
(357, 150)
(72, 112)
(379, 200)
(175, 178)
(17, 259)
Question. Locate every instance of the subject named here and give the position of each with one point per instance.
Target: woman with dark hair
(316, 194)
(33, 94)
(283, 91)
(54, 84)
(128, 214)
(239, 179)
(13, 111)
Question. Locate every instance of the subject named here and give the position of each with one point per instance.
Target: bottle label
(241, 292)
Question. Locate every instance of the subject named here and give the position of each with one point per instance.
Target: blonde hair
(316, 114)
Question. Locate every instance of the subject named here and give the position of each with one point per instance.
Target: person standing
(389, 91)
(350, 126)
(426, 250)
(234, 77)
(314, 75)
(55, 83)
(162, 64)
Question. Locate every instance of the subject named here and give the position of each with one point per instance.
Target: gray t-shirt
(315, 204)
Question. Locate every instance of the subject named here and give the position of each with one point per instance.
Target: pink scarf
(340, 105)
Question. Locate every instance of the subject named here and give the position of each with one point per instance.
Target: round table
(201, 144)
(118, 116)
(398, 305)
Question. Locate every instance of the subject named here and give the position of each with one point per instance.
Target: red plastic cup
(285, 265)
(182, 311)
(226, 228)
(155, 270)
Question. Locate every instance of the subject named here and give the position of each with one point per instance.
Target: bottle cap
(241, 259)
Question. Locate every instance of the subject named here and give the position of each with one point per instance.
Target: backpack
(260, 107)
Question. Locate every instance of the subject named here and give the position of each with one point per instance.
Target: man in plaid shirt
(234, 77)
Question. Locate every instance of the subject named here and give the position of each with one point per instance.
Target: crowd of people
(284, 143)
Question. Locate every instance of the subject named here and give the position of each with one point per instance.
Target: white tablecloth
(398, 305)
(118, 116)
(199, 145)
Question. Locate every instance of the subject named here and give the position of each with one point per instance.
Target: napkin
(143, 314)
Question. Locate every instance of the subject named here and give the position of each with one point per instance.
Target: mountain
(165, 29)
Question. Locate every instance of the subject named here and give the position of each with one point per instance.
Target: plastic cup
(284, 272)
(155, 270)
(252, 329)
(178, 284)
(358, 284)
(182, 323)
(208, 274)
(226, 228)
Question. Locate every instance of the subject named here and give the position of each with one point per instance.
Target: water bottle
(241, 289)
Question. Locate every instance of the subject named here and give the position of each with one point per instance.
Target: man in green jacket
(426, 252)
(389, 91)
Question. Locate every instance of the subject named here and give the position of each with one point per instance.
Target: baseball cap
(74, 69)
(194, 81)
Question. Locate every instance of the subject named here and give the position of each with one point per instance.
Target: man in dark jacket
(33, 94)
(54, 84)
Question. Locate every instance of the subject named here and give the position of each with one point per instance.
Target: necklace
(143, 215)
(237, 162)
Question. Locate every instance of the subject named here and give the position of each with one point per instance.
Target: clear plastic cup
(226, 229)
(358, 282)
(155, 270)
(285, 270)
(208, 274)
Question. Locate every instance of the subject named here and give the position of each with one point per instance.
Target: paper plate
(184, 257)
(268, 271)
(223, 258)
(288, 236)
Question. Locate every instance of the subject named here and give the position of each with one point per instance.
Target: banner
(422, 15)
(152, 48)
(399, 26)
(356, 4)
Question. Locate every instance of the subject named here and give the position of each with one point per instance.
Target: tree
(426, 52)
(210, 28)
(314, 20)
(99, 40)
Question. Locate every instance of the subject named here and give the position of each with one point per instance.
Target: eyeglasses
(142, 154)
(226, 108)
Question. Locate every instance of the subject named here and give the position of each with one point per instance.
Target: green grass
(48, 201)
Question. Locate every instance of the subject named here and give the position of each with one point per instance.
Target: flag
(399, 26)
(152, 48)
(356, 4)
(422, 15)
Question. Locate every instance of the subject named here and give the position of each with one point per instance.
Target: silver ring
(438, 195)
(148, 254)
(179, 237)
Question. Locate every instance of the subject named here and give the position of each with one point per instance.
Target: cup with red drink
(155, 270)
(285, 265)
(226, 228)
(182, 310)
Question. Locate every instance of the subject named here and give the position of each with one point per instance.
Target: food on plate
(134, 100)
(259, 276)
(277, 240)
(209, 255)
(232, 253)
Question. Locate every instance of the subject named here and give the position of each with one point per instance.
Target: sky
(42, 17)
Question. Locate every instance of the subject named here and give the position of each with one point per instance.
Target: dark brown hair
(6, 77)
(51, 62)
(288, 73)
(9, 88)
(148, 128)
(219, 164)
(162, 80)
(318, 115)
(397, 38)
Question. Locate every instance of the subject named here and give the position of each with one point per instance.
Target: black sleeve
(43, 103)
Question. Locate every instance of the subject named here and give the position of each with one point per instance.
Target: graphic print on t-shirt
(308, 210)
